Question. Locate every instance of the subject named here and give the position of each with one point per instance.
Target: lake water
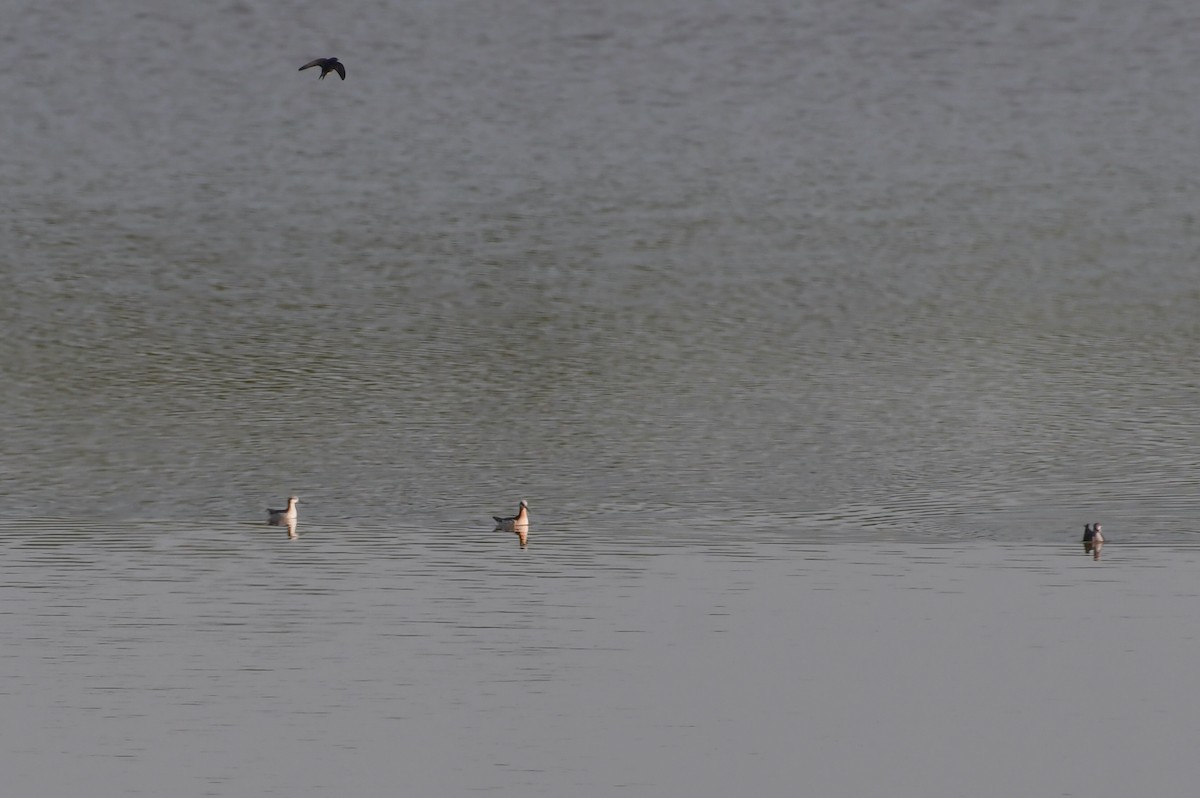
(229, 660)
(812, 332)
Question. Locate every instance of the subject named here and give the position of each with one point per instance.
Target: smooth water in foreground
(233, 661)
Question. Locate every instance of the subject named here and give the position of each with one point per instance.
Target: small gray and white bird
(327, 65)
(284, 517)
(514, 523)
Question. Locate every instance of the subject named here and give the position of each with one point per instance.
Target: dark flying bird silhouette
(327, 65)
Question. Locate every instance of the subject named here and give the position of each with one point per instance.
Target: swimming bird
(283, 517)
(327, 65)
(514, 523)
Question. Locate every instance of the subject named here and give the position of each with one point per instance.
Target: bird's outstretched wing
(312, 63)
(341, 70)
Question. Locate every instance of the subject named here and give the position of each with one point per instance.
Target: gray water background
(707, 283)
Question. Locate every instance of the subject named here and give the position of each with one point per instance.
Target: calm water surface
(813, 333)
(233, 661)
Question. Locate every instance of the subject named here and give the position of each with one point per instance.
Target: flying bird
(327, 65)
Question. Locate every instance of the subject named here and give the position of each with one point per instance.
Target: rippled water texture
(930, 266)
(709, 283)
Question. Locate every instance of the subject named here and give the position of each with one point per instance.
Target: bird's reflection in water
(522, 534)
(291, 529)
(1093, 548)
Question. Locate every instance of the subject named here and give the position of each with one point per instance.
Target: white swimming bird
(517, 522)
(284, 517)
